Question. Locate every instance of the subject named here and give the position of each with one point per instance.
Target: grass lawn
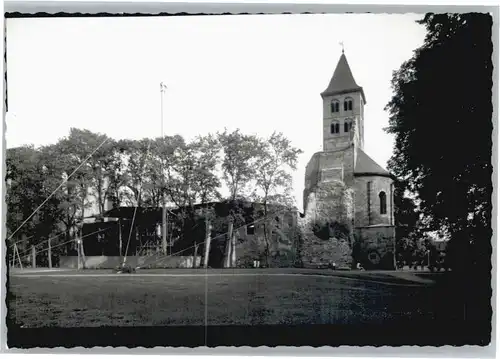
(237, 297)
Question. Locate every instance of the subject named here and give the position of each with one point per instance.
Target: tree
(158, 170)
(89, 155)
(136, 155)
(238, 163)
(441, 116)
(58, 164)
(116, 174)
(32, 211)
(276, 158)
(406, 219)
(206, 152)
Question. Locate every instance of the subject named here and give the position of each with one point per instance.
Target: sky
(256, 73)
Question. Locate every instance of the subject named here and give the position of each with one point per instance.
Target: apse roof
(366, 166)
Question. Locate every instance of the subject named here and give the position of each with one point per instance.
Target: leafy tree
(240, 157)
(32, 212)
(116, 174)
(192, 179)
(136, 155)
(441, 116)
(407, 221)
(276, 159)
(206, 151)
(159, 166)
(57, 164)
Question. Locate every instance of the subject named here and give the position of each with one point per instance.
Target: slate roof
(342, 80)
(366, 166)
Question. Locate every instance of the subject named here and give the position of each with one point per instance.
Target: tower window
(348, 104)
(383, 202)
(334, 127)
(347, 126)
(335, 106)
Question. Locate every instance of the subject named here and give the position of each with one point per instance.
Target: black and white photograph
(228, 180)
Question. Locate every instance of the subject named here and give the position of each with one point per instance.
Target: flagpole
(164, 209)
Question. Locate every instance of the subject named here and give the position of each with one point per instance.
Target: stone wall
(111, 262)
(327, 167)
(374, 217)
(374, 246)
(330, 208)
(282, 250)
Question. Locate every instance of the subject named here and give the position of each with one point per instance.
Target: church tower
(343, 110)
(344, 185)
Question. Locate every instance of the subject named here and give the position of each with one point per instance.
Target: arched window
(335, 106)
(383, 202)
(347, 125)
(348, 104)
(334, 127)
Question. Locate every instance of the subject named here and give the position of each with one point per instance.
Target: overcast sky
(256, 73)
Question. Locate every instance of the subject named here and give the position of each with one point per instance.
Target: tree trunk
(164, 228)
(82, 250)
(120, 240)
(82, 254)
(137, 239)
(207, 243)
(228, 262)
(33, 256)
(266, 233)
(49, 253)
(195, 255)
(18, 256)
(233, 250)
(78, 252)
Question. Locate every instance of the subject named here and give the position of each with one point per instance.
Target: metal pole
(164, 209)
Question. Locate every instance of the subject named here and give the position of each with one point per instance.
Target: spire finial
(342, 44)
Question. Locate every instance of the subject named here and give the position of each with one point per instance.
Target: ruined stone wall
(328, 167)
(374, 247)
(312, 176)
(281, 233)
(331, 208)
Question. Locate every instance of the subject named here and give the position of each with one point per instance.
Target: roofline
(145, 210)
(340, 92)
(369, 174)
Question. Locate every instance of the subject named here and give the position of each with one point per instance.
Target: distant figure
(359, 266)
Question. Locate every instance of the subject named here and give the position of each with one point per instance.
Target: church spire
(342, 80)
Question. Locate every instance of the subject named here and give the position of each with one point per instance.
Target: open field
(163, 298)
(72, 299)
